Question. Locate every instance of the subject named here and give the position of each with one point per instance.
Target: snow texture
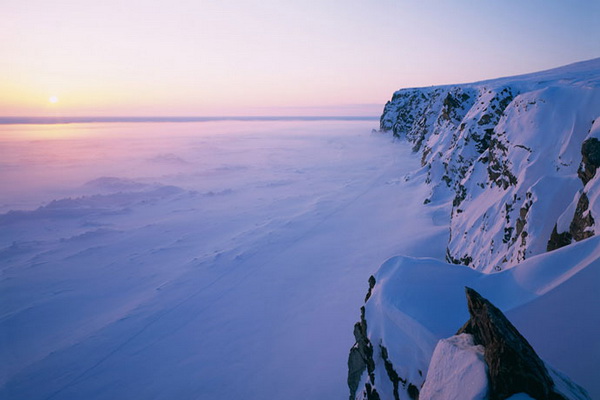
(457, 371)
(505, 156)
(219, 260)
(506, 153)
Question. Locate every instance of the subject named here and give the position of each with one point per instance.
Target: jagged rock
(590, 152)
(513, 365)
(582, 220)
(371, 286)
(558, 240)
(464, 260)
(392, 374)
(356, 367)
(579, 228)
(361, 356)
(371, 393)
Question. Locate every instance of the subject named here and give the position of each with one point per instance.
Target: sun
(53, 99)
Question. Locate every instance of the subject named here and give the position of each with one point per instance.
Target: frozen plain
(217, 260)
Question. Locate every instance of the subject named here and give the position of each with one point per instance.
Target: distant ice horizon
(22, 120)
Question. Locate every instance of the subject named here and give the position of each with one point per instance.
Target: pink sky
(270, 57)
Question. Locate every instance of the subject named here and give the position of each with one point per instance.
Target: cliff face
(507, 153)
(516, 160)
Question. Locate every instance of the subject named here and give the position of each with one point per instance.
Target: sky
(271, 57)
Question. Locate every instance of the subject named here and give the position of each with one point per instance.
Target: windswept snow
(216, 260)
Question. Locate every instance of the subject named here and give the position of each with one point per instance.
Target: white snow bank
(550, 298)
(457, 371)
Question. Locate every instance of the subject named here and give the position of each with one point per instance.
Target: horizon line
(46, 120)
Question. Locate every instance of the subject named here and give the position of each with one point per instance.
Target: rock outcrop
(582, 223)
(361, 359)
(590, 152)
(513, 365)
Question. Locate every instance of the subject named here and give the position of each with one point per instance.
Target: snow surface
(552, 299)
(218, 260)
(457, 371)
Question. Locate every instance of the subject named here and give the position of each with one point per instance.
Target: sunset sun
(53, 99)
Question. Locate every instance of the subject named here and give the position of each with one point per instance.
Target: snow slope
(515, 160)
(218, 260)
(507, 153)
(418, 301)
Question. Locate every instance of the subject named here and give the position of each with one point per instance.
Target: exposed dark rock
(498, 170)
(513, 365)
(450, 106)
(464, 260)
(371, 393)
(558, 240)
(392, 374)
(507, 234)
(590, 152)
(582, 220)
(356, 367)
(578, 229)
(413, 392)
(483, 143)
(372, 282)
(461, 194)
(361, 356)
(361, 359)
(522, 220)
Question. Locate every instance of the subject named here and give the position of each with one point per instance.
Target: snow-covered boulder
(457, 371)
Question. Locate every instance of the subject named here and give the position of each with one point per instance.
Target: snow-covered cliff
(507, 153)
(515, 160)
